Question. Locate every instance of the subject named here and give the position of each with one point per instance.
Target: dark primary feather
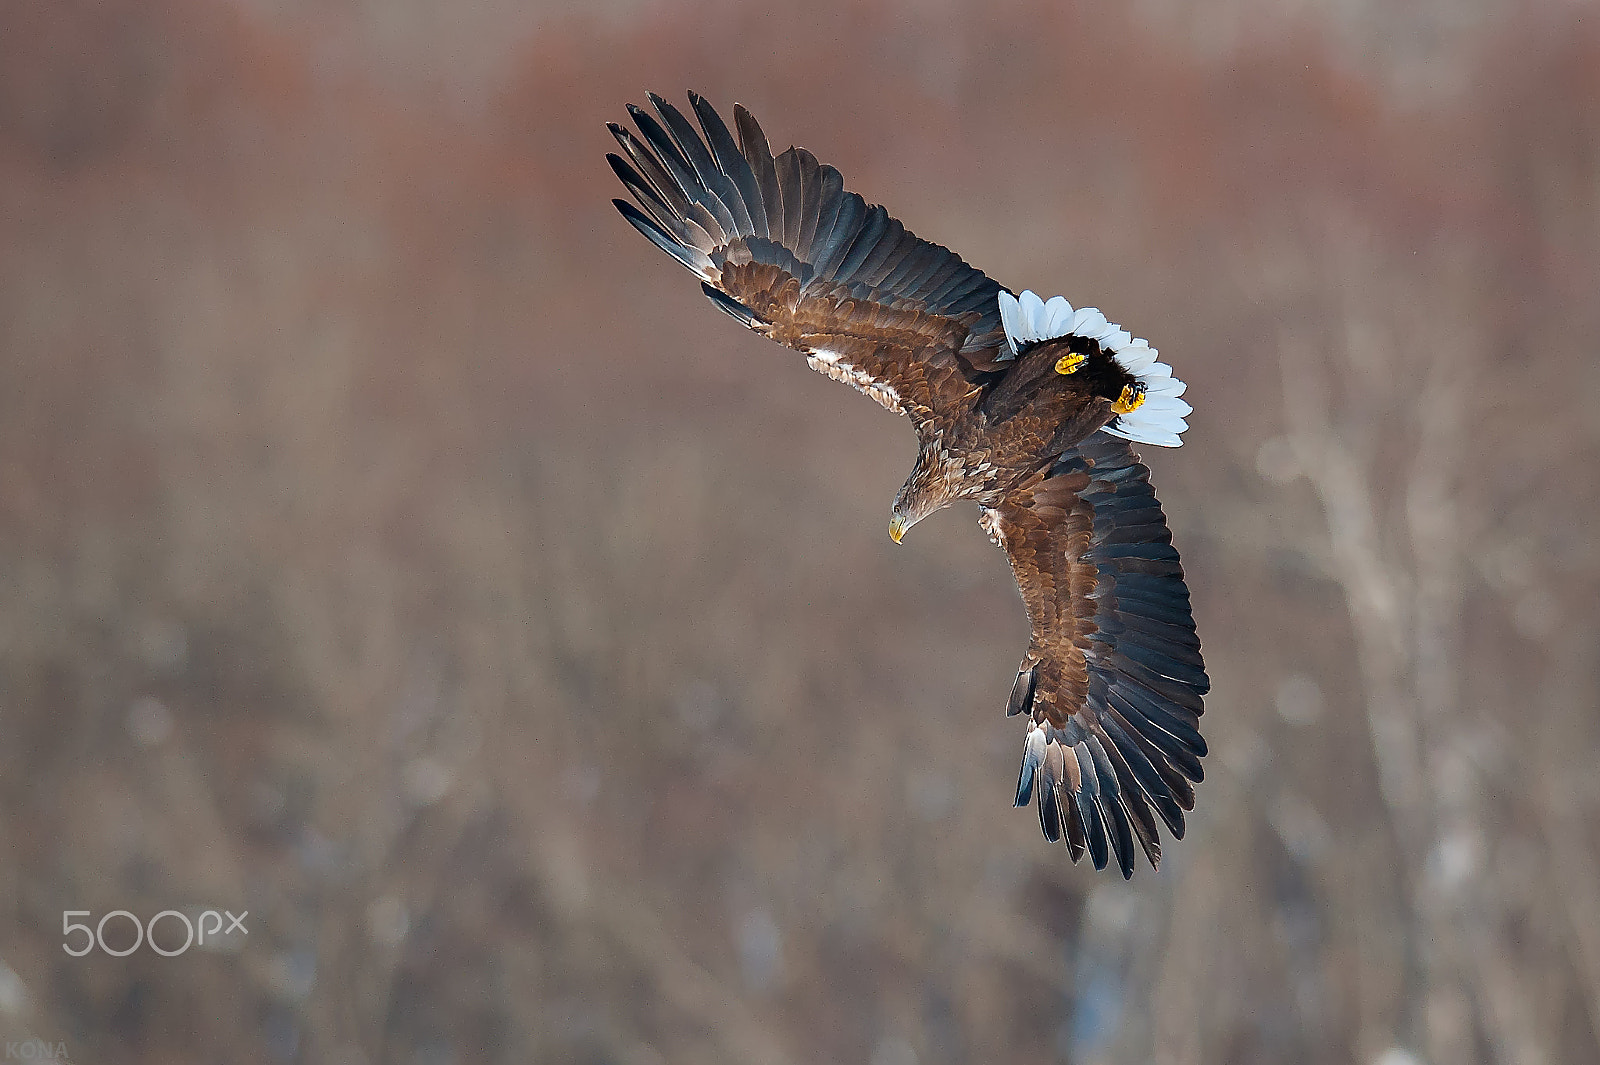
(673, 245)
(1022, 692)
(722, 198)
(731, 162)
(732, 307)
(753, 146)
(1121, 687)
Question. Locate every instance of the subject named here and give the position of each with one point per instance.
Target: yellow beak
(897, 528)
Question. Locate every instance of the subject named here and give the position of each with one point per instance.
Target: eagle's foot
(1132, 399)
(1071, 362)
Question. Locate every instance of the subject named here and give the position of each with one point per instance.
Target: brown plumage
(1112, 681)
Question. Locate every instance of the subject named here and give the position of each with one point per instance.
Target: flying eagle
(1022, 405)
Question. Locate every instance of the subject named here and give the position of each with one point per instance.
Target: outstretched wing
(1113, 680)
(780, 246)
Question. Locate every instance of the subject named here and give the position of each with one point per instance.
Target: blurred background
(395, 546)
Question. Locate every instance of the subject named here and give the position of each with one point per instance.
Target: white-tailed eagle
(1024, 406)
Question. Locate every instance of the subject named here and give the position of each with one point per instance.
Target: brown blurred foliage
(396, 547)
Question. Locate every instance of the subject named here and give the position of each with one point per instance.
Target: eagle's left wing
(781, 246)
(1113, 680)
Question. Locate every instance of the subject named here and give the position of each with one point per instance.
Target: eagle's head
(933, 485)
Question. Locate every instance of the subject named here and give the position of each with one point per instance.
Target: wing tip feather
(689, 256)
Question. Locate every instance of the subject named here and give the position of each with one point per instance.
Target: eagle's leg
(1071, 362)
(1132, 399)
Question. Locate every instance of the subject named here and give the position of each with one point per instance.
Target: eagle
(1027, 407)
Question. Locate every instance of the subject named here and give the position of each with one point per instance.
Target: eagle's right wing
(780, 246)
(1113, 681)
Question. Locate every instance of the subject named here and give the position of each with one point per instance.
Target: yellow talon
(1132, 399)
(1070, 363)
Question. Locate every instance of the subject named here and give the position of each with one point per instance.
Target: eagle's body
(1005, 434)
(1018, 406)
